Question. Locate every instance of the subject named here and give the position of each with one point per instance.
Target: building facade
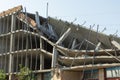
(54, 49)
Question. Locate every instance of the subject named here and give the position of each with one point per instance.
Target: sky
(105, 13)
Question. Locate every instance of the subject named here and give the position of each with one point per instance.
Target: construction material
(53, 48)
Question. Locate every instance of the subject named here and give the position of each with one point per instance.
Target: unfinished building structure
(54, 49)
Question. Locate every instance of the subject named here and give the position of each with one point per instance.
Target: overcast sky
(106, 13)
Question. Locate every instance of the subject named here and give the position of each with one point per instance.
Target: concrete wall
(70, 75)
(67, 75)
(101, 74)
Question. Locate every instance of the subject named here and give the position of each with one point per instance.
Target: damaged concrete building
(55, 49)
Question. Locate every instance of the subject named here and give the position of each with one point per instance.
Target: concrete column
(101, 74)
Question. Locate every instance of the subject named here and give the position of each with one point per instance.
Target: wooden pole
(64, 36)
(55, 53)
(98, 46)
(61, 39)
(73, 44)
(116, 44)
(41, 56)
(37, 19)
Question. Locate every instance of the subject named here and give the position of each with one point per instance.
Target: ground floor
(112, 73)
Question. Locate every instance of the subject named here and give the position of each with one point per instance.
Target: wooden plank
(116, 44)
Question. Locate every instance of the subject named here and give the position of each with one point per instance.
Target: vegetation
(2, 75)
(25, 74)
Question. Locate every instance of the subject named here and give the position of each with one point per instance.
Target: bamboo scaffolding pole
(31, 55)
(26, 56)
(77, 54)
(87, 44)
(95, 51)
(6, 43)
(3, 45)
(11, 46)
(22, 44)
(35, 38)
(1, 25)
(36, 57)
(41, 42)
(18, 45)
(31, 47)
(41, 55)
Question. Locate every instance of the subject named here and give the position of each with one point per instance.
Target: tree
(2, 75)
(25, 74)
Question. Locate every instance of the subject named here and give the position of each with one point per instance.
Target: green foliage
(2, 75)
(25, 74)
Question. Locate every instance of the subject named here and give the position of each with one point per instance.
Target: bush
(2, 75)
(25, 74)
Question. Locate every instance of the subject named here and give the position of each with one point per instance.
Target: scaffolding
(53, 46)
